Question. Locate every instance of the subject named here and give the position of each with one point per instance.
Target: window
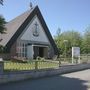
(21, 49)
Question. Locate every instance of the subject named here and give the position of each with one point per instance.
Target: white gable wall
(28, 33)
(27, 37)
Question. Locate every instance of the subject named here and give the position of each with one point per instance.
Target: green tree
(2, 25)
(57, 39)
(86, 41)
(1, 2)
(2, 30)
(72, 37)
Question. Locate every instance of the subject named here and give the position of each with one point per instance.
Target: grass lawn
(8, 65)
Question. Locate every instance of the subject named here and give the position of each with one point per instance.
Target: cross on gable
(36, 25)
(36, 30)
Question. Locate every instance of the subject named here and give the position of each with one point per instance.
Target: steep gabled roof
(17, 25)
(13, 26)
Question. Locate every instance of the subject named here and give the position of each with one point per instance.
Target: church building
(27, 36)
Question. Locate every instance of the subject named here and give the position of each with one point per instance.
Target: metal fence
(30, 65)
(43, 64)
(84, 58)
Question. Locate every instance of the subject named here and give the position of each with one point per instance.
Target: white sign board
(75, 51)
(1, 59)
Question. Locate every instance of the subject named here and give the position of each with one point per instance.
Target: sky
(63, 14)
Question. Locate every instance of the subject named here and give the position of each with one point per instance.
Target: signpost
(76, 54)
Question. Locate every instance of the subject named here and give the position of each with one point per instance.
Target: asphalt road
(72, 81)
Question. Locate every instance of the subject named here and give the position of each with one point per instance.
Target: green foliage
(1, 2)
(1, 49)
(40, 59)
(72, 37)
(2, 31)
(86, 41)
(2, 25)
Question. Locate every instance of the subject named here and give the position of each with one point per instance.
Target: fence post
(59, 63)
(36, 65)
(1, 66)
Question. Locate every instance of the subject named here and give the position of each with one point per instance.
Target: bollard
(1, 66)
